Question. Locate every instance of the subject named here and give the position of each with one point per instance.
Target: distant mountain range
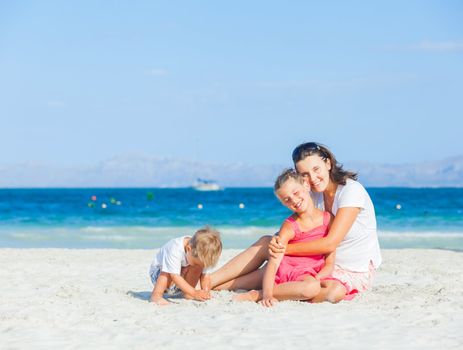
(443, 173)
(146, 171)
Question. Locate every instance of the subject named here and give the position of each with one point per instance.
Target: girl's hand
(275, 247)
(268, 302)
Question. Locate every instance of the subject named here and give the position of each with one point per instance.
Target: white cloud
(316, 85)
(156, 72)
(335, 84)
(428, 46)
(287, 84)
(327, 84)
(442, 46)
(56, 104)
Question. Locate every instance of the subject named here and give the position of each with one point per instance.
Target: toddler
(181, 262)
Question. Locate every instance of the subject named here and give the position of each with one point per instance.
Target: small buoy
(150, 196)
(93, 198)
(104, 206)
(241, 205)
(90, 204)
(112, 200)
(398, 206)
(200, 206)
(118, 203)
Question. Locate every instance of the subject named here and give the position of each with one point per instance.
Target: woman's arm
(343, 221)
(286, 233)
(328, 268)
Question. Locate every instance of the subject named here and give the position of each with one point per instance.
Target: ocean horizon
(148, 217)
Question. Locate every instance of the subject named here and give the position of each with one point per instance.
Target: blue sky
(238, 81)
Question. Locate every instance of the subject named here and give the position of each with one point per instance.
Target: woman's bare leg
(245, 262)
(252, 280)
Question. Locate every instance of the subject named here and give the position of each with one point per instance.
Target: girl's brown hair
(285, 176)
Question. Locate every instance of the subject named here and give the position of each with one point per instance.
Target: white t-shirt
(171, 257)
(360, 245)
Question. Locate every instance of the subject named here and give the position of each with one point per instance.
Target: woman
(352, 234)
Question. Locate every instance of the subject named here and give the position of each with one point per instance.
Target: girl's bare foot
(160, 301)
(252, 295)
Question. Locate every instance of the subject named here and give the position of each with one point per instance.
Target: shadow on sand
(140, 295)
(145, 296)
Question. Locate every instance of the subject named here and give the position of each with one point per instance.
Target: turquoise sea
(148, 217)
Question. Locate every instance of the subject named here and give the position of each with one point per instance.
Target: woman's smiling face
(315, 171)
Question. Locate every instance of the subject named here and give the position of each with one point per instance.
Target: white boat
(206, 185)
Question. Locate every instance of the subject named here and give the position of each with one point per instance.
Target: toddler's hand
(202, 295)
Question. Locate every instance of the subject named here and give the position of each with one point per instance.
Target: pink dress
(295, 268)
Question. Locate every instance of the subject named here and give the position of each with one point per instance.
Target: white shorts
(355, 282)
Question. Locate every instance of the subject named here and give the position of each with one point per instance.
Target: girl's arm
(286, 233)
(343, 221)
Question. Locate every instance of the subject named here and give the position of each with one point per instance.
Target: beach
(98, 298)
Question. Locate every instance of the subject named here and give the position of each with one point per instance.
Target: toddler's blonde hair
(206, 246)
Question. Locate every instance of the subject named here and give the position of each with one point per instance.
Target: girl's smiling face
(316, 172)
(295, 196)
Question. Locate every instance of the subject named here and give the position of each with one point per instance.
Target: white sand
(97, 299)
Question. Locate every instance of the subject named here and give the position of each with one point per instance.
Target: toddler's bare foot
(160, 301)
(252, 295)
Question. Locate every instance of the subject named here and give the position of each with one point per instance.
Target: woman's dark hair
(337, 174)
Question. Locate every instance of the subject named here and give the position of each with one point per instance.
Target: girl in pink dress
(298, 277)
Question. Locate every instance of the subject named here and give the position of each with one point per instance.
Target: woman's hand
(275, 247)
